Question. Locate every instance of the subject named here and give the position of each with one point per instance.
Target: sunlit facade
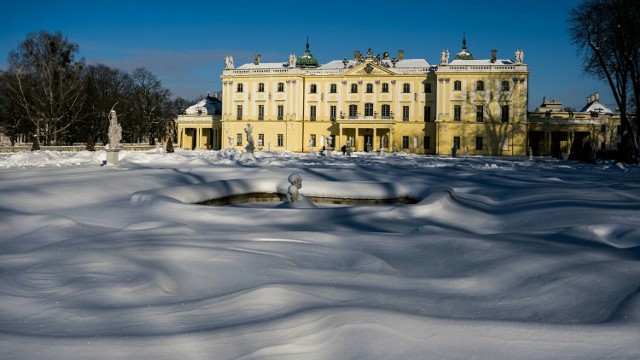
(374, 102)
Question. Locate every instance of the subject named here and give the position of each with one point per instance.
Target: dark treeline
(48, 94)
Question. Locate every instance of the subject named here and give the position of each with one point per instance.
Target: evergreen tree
(169, 145)
(91, 146)
(36, 144)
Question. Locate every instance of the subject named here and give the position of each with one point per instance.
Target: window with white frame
(260, 112)
(405, 113)
(280, 112)
(312, 113)
(368, 109)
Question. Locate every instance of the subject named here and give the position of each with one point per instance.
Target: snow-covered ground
(502, 258)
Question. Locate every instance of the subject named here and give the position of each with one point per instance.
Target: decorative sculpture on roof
(293, 59)
(228, 62)
(519, 56)
(444, 57)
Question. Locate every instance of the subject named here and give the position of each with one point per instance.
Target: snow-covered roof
(338, 64)
(596, 106)
(265, 65)
(483, 62)
(207, 106)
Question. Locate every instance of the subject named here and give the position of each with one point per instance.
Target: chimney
(493, 55)
(596, 97)
(400, 54)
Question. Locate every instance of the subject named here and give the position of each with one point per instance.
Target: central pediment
(369, 69)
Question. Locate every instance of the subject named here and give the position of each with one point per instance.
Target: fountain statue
(293, 197)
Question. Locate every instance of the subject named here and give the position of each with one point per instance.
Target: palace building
(559, 132)
(370, 102)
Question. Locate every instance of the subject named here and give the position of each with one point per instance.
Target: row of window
(385, 112)
(504, 113)
(457, 85)
(456, 142)
(333, 88)
(279, 140)
(406, 88)
(405, 141)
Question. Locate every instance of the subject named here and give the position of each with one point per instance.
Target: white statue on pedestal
(250, 143)
(115, 130)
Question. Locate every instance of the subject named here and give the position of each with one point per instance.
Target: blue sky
(184, 43)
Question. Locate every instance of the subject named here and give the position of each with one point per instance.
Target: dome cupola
(307, 59)
(464, 54)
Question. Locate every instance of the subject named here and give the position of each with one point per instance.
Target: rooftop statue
(228, 62)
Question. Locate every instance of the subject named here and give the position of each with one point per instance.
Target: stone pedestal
(113, 157)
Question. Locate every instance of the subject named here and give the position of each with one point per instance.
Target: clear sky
(184, 42)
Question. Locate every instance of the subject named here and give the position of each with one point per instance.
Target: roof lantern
(464, 54)
(307, 59)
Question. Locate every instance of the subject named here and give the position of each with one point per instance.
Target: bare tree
(47, 86)
(105, 87)
(606, 33)
(12, 121)
(151, 106)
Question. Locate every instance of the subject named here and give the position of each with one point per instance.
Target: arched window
(406, 88)
(239, 88)
(280, 87)
(333, 89)
(480, 85)
(427, 87)
(369, 88)
(313, 88)
(354, 88)
(505, 86)
(261, 87)
(368, 109)
(353, 110)
(457, 85)
(385, 88)
(385, 111)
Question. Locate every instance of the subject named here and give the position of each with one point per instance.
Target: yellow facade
(375, 103)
